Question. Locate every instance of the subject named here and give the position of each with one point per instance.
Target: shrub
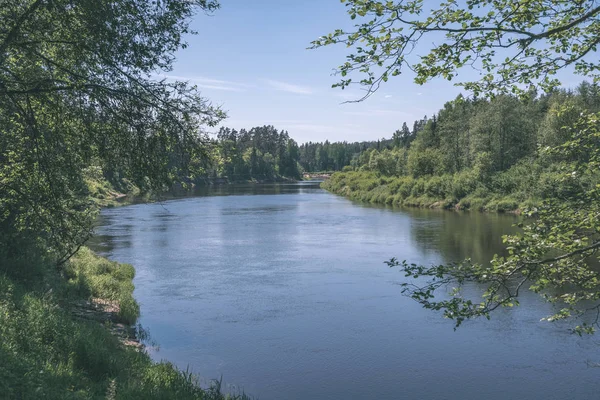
(406, 187)
(463, 183)
(424, 162)
(505, 205)
(434, 187)
(418, 188)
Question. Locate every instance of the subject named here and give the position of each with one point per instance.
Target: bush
(505, 205)
(434, 187)
(463, 183)
(418, 188)
(524, 184)
(473, 203)
(424, 162)
(406, 187)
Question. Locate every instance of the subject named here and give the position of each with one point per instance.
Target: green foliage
(464, 183)
(262, 153)
(460, 190)
(335, 156)
(75, 92)
(97, 277)
(47, 352)
(424, 162)
(512, 43)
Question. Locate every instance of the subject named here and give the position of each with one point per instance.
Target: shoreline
(119, 199)
(382, 192)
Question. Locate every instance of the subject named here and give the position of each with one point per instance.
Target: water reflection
(458, 235)
(257, 189)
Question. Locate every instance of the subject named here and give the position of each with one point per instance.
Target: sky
(251, 58)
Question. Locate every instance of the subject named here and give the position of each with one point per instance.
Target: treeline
(261, 153)
(474, 154)
(327, 156)
(265, 153)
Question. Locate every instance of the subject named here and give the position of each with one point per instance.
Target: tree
(550, 131)
(454, 129)
(517, 45)
(76, 90)
(505, 130)
(514, 43)
(405, 136)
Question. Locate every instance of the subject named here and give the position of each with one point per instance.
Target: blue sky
(250, 57)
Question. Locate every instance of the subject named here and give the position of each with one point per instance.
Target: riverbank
(445, 192)
(66, 335)
(317, 175)
(71, 333)
(104, 194)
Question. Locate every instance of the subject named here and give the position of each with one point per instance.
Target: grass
(92, 276)
(104, 194)
(46, 352)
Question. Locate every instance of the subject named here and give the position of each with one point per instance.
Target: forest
(264, 153)
(334, 156)
(261, 153)
(475, 154)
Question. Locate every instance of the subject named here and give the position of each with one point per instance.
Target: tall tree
(76, 89)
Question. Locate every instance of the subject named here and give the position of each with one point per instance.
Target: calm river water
(282, 290)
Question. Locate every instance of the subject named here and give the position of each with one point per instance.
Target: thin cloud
(288, 87)
(321, 129)
(347, 96)
(373, 113)
(350, 96)
(388, 96)
(209, 83)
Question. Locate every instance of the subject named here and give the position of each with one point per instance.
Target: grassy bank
(48, 350)
(105, 194)
(524, 185)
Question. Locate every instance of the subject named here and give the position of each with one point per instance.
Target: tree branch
(12, 34)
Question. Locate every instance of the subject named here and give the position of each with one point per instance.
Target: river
(282, 290)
